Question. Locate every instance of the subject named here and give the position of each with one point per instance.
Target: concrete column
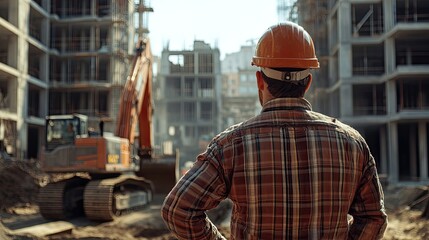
(344, 33)
(217, 88)
(389, 15)
(46, 35)
(21, 125)
(393, 152)
(389, 55)
(345, 61)
(391, 97)
(344, 22)
(423, 151)
(345, 72)
(22, 85)
(94, 8)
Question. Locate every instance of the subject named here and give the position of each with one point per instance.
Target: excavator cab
(63, 130)
(100, 180)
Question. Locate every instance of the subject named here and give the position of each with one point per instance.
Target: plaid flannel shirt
(291, 173)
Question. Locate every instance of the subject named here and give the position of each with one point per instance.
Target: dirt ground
(20, 182)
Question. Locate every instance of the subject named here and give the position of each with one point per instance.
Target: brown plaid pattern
(291, 173)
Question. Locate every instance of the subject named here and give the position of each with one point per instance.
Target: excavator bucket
(163, 172)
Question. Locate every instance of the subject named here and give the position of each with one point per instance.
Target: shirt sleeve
(367, 209)
(200, 189)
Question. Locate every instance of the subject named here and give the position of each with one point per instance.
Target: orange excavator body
(126, 180)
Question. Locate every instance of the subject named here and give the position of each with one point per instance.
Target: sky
(227, 24)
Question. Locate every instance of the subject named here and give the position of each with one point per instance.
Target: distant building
(374, 76)
(62, 57)
(188, 98)
(239, 89)
(287, 10)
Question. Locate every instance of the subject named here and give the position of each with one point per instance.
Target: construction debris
(20, 181)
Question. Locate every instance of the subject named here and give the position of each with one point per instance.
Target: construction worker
(69, 134)
(290, 172)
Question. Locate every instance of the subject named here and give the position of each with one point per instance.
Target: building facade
(62, 57)
(24, 70)
(188, 98)
(375, 76)
(239, 89)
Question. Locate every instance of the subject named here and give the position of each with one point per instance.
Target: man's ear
(260, 80)
(310, 79)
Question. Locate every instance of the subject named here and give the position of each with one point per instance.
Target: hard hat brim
(285, 62)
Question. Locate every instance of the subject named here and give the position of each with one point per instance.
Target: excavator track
(63, 199)
(106, 199)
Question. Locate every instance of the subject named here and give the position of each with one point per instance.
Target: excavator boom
(136, 104)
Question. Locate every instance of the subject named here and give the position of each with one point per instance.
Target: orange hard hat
(285, 45)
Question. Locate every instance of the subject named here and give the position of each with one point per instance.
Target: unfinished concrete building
(62, 57)
(91, 42)
(239, 91)
(375, 76)
(24, 54)
(188, 98)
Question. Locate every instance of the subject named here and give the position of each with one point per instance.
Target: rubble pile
(20, 181)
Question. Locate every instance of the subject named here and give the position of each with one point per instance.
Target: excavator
(105, 175)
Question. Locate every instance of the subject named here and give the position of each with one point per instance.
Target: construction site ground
(20, 219)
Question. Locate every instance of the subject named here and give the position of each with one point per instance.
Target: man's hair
(282, 89)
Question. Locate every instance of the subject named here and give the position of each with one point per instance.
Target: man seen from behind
(290, 172)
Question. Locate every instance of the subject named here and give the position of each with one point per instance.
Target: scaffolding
(142, 8)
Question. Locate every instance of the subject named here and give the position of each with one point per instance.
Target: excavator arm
(136, 106)
(136, 101)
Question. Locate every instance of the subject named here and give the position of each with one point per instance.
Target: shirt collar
(277, 103)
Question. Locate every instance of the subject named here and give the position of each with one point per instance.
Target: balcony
(412, 52)
(412, 94)
(368, 60)
(412, 11)
(369, 99)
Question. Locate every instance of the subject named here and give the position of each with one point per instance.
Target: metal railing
(424, 17)
(369, 110)
(366, 71)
